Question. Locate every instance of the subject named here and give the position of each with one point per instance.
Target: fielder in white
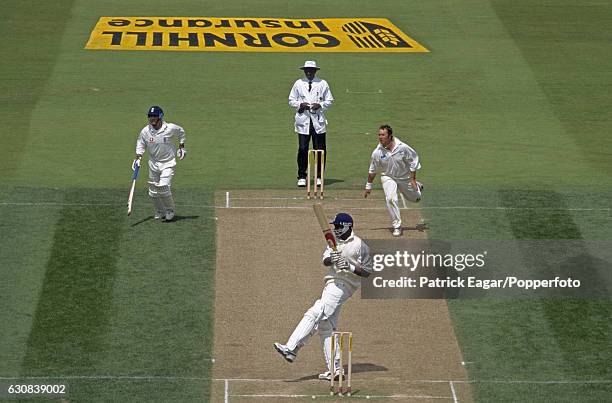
(351, 261)
(158, 138)
(397, 163)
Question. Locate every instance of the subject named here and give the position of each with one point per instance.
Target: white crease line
(303, 198)
(46, 204)
(112, 377)
(507, 208)
(348, 91)
(399, 396)
(226, 391)
(403, 200)
(509, 381)
(597, 381)
(417, 208)
(57, 204)
(453, 392)
(196, 378)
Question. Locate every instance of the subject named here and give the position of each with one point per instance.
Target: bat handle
(136, 171)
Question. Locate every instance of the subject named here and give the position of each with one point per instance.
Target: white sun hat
(310, 64)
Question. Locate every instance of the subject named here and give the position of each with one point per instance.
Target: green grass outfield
(512, 101)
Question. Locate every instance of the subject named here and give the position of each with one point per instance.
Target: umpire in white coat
(311, 97)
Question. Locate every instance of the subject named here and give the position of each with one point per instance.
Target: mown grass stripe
(71, 318)
(32, 31)
(27, 237)
(581, 327)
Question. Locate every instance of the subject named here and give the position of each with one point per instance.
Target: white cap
(309, 64)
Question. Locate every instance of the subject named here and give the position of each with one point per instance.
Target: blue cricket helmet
(342, 219)
(343, 224)
(155, 111)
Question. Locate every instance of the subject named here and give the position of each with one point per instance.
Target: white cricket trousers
(391, 186)
(160, 182)
(322, 317)
(160, 175)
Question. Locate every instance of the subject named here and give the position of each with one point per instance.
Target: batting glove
(135, 163)
(335, 256)
(180, 153)
(342, 264)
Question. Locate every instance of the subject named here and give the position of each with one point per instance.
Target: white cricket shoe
(301, 183)
(159, 215)
(289, 355)
(318, 181)
(169, 215)
(397, 232)
(421, 187)
(326, 376)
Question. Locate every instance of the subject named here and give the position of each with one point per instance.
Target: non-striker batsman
(159, 139)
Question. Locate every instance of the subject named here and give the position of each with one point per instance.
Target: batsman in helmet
(159, 139)
(346, 265)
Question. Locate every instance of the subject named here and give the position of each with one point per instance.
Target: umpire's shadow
(331, 181)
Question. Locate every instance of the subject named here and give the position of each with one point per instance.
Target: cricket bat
(131, 195)
(327, 232)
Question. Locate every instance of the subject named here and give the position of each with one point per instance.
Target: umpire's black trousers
(318, 143)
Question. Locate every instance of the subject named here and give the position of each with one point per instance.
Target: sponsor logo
(250, 35)
(371, 36)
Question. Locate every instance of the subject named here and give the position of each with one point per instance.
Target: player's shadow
(422, 227)
(185, 217)
(418, 227)
(357, 368)
(149, 218)
(331, 181)
(176, 218)
(366, 367)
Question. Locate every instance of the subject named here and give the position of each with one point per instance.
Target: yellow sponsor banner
(250, 35)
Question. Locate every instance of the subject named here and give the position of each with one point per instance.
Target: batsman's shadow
(422, 227)
(357, 368)
(418, 227)
(176, 218)
(149, 218)
(185, 217)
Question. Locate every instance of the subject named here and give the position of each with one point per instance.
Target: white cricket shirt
(397, 163)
